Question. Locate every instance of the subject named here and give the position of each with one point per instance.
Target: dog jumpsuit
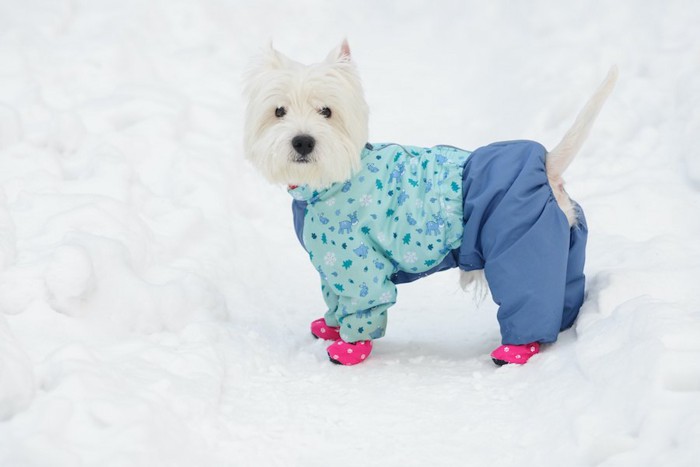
(410, 212)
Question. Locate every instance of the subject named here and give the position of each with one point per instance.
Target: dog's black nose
(303, 144)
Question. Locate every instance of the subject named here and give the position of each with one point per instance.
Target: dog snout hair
(303, 145)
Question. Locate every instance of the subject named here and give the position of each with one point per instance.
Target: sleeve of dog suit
(355, 279)
(357, 297)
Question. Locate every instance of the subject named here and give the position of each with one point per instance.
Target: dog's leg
(532, 260)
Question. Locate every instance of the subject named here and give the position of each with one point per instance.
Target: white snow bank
(154, 300)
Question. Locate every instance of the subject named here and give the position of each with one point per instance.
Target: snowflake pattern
(385, 297)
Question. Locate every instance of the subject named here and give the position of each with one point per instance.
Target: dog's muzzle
(303, 145)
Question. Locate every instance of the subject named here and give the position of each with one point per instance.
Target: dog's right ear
(272, 58)
(266, 61)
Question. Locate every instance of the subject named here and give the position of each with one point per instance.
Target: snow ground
(154, 300)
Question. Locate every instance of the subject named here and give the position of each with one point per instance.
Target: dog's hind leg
(533, 260)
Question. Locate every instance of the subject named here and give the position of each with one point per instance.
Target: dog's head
(305, 124)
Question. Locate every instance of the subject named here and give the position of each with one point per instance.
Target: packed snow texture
(154, 301)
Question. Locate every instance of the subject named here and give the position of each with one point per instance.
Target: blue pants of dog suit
(516, 232)
(533, 261)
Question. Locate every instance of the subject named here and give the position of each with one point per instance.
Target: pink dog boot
(518, 354)
(320, 330)
(345, 353)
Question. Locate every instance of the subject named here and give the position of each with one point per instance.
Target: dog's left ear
(340, 53)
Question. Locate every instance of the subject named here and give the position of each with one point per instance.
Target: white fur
(303, 91)
(475, 280)
(559, 158)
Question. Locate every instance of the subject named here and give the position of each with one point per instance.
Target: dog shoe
(345, 353)
(320, 330)
(518, 354)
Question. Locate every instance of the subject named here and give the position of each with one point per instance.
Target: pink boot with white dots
(321, 330)
(347, 353)
(517, 354)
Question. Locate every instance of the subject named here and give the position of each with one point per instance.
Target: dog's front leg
(358, 293)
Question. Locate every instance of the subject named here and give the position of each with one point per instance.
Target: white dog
(373, 216)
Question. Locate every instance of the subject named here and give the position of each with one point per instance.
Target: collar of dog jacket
(305, 193)
(401, 211)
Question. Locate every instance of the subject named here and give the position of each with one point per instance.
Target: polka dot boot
(320, 330)
(345, 353)
(518, 354)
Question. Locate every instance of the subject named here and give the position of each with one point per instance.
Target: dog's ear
(272, 58)
(267, 60)
(340, 53)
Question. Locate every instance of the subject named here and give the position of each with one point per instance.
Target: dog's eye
(280, 112)
(326, 112)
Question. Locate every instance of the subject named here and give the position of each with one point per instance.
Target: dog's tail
(559, 158)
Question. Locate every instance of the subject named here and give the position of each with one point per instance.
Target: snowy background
(154, 301)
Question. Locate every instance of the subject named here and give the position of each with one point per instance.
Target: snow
(154, 301)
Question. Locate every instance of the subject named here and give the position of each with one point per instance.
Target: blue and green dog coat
(410, 212)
